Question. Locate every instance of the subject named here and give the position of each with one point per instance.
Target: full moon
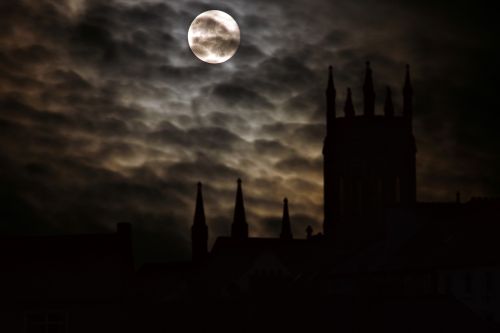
(214, 36)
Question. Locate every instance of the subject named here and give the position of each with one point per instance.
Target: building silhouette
(378, 242)
(383, 261)
(65, 283)
(369, 166)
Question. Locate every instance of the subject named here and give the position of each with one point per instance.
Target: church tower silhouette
(369, 165)
(368, 162)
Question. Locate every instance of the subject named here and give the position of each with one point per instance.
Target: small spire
(388, 107)
(369, 92)
(199, 213)
(239, 228)
(286, 230)
(331, 95)
(407, 87)
(349, 106)
(407, 95)
(331, 85)
(199, 230)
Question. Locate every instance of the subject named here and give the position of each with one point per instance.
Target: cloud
(106, 115)
(300, 165)
(238, 96)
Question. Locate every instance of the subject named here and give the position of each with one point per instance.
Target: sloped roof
(297, 255)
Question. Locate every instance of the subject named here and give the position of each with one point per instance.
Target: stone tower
(369, 164)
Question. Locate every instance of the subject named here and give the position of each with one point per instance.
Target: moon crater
(214, 36)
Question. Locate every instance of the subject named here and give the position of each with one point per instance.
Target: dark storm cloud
(225, 120)
(106, 116)
(272, 148)
(209, 138)
(69, 80)
(203, 168)
(234, 95)
(117, 32)
(248, 53)
(300, 165)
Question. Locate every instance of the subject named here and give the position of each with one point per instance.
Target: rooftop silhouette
(383, 261)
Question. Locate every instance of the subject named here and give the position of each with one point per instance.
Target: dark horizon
(108, 117)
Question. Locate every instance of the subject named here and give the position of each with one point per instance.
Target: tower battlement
(369, 162)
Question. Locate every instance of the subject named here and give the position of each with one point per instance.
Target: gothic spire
(349, 106)
(388, 107)
(199, 230)
(239, 229)
(331, 84)
(199, 212)
(368, 92)
(286, 230)
(331, 95)
(407, 95)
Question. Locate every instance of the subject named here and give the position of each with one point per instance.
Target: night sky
(106, 115)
